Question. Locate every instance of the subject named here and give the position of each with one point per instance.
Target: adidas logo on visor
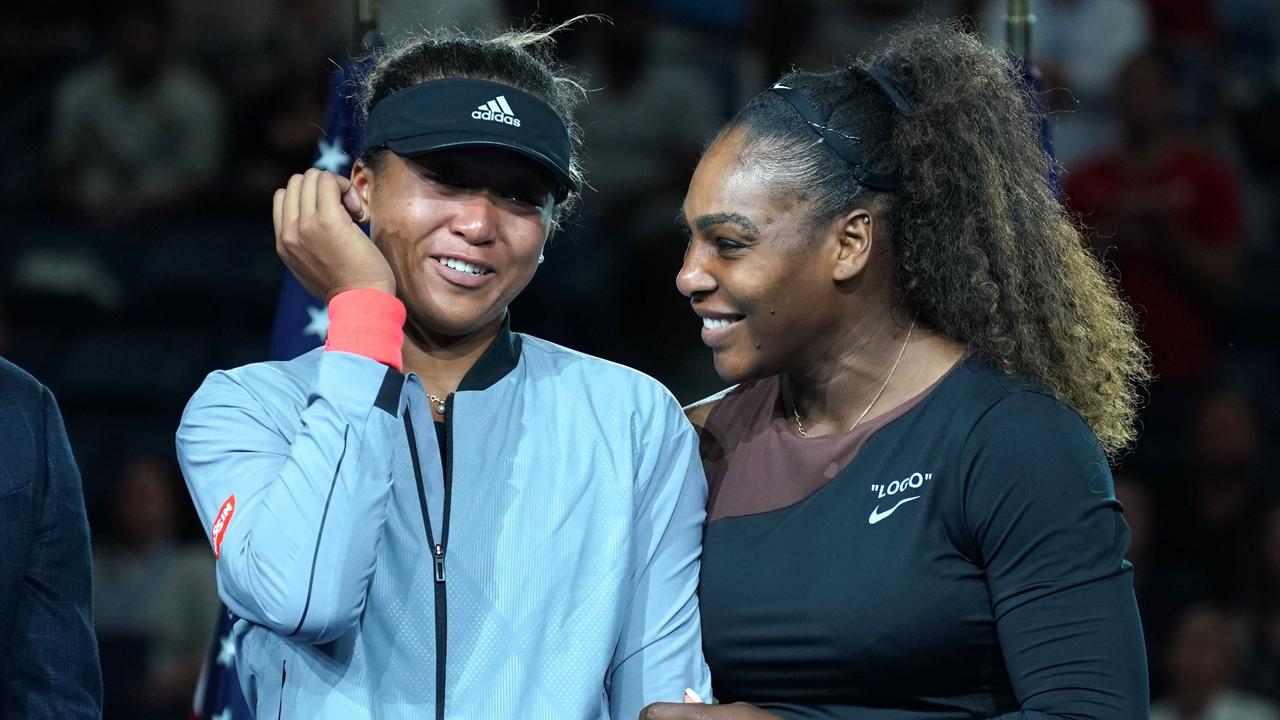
(496, 110)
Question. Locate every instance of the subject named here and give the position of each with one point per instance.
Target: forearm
(296, 547)
(659, 654)
(1077, 653)
(296, 544)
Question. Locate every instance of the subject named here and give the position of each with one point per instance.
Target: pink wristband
(367, 322)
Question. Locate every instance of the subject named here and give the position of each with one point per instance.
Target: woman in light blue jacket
(435, 514)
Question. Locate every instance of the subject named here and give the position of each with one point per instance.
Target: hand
(318, 239)
(701, 711)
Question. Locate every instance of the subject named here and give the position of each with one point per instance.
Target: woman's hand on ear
(318, 238)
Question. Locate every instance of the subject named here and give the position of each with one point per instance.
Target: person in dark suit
(48, 655)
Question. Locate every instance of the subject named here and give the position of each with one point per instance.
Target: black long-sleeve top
(960, 557)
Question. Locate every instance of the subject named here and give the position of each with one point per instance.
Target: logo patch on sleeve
(220, 522)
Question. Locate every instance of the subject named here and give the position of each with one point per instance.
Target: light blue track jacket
(551, 572)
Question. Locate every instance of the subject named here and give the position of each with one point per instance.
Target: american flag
(300, 325)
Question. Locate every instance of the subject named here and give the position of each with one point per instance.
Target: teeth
(461, 266)
(715, 323)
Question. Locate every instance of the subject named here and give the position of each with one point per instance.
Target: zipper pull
(439, 561)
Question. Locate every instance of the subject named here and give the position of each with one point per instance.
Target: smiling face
(462, 230)
(770, 287)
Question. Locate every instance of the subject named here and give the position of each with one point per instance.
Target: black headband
(845, 145)
(462, 112)
(888, 87)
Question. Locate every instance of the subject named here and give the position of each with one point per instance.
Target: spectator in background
(782, 34)
(1262, 673)
(1249, 79)
(1168, 216)
(1139, 515)
(229, 41)
(155, 598)
(1218, 501)
(48, 667)
(135, 133)
(1161, 595)
(399, 19)
(1176, 22)
(39, 42)
(277, 131)
(1203, 664)
(1079, 46)
(645, 125)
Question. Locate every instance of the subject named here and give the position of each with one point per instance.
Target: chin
(453, 320)
(732, 369)
(461, 325)
(737, 364)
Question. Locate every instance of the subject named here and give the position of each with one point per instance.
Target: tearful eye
(526, 199)
(528, 196)
(445, 180)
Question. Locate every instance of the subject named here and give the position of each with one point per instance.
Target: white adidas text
(496, 110)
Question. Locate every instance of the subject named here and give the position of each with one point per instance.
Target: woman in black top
(911, 513)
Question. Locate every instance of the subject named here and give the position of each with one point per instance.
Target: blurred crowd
(140, 142)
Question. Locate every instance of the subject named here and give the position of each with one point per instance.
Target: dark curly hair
(523, 59)
(984, 252)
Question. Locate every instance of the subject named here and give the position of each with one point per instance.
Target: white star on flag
(319, 325)
(226, 650)
(332, 157)
(224, 715)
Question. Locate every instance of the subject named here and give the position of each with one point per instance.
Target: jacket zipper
(284, 674)
(438, 549)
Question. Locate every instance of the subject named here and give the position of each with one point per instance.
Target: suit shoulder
(25, 406)
(18, 384)
(24, 422)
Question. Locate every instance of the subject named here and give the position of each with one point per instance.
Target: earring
(866, 220)
(541, 258)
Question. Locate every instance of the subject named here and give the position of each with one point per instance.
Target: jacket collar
(499, 359)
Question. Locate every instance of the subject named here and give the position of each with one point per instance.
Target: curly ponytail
(985, 254)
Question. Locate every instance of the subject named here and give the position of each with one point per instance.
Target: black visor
(454, 113)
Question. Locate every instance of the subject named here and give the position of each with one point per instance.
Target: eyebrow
(706, 222)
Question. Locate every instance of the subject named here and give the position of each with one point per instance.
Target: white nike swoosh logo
(877, 516)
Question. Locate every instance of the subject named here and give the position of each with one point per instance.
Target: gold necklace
(439, 403)
(796, 412)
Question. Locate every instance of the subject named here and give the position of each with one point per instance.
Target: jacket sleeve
(52, 669)
(294, 518)
(1041, 505)
(659, 653)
